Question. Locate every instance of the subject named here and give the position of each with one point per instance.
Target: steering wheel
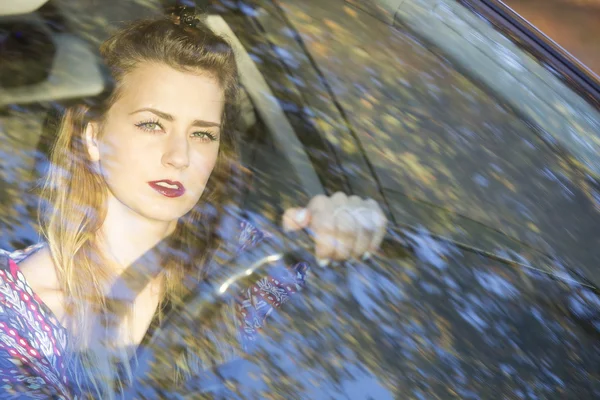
(166, 343)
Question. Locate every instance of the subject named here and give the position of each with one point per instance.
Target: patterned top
(33, 342)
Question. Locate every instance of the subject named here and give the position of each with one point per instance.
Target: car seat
(39, 63)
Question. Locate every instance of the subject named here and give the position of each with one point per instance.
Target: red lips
(177, 191)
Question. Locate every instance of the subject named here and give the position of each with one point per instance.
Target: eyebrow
(198, 122)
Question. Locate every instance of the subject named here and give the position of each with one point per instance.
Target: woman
(142, 180)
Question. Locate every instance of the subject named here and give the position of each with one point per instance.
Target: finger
(295, 219)
(339, 199)
(317, 204)
(364, 229)
(379, 221)
(345, 226)
(345, 233)
(322, 227)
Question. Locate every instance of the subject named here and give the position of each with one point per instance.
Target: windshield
(485, 282)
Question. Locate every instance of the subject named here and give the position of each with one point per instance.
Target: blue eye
(155, 126)
(204, 135)
(149, 126)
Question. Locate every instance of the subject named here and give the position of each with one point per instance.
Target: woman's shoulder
(28, 273)
(10, 268)
(31, 338)
(19, 255)
(37, 267)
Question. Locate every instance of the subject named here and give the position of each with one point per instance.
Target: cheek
(115, 150)
(121, 150)
(203, 166)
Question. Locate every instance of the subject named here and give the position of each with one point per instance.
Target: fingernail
(301, 216)
(323, 263)
(366, 256)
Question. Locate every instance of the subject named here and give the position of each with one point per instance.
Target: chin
(166, 213)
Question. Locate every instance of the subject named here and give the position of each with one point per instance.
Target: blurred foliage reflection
(381, 115)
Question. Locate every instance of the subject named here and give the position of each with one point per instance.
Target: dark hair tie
(187, 17)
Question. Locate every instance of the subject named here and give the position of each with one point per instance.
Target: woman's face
(159, 142)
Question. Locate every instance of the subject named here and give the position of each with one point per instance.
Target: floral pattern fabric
(257, 302)
(33, 342)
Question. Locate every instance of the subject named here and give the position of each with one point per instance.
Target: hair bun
(185, 16)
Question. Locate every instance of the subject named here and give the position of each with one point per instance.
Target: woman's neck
(126, 236)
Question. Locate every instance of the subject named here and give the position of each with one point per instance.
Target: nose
(176, 153)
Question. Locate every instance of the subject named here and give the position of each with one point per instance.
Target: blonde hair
(72, 207)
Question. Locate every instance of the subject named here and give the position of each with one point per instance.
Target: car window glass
(403, 124)
(467, 184)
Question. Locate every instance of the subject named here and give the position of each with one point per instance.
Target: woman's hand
(342, 227)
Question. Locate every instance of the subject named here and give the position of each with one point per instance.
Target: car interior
(285, 169)
(69, 72)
